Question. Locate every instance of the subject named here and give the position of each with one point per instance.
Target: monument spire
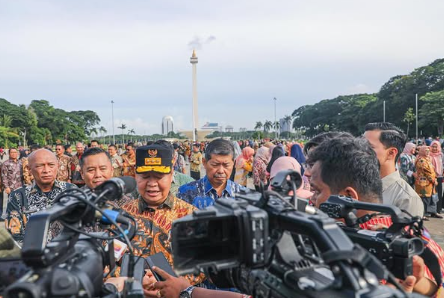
(193, 61)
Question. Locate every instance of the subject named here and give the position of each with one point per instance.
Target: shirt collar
(168, 203)
(35, 188)
(208, 187)
(389, 180)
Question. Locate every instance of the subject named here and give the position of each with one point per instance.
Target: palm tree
(258, 125)
(7, 131)
(122, 127)
(288, 119)
(130, 132)
(102, 131)
(267, 125)
(276, 125)
(92, 132)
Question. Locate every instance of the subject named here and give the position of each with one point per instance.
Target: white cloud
(82, 54)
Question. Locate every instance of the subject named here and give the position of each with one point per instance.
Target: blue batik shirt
(201, 194)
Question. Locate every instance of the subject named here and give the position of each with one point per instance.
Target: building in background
(285, 125)
(229, 128)
(211, 126)
(167, 125)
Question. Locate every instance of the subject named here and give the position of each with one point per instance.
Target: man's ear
(392, 152)
(350, 192)
(204, 161)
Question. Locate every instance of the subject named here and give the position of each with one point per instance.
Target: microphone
(116, 216)
(116, 187)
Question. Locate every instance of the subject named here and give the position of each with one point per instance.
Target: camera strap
(431, 261)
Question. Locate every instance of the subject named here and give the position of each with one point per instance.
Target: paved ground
(436, 229)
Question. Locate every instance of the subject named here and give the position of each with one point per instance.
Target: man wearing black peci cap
(156, 208)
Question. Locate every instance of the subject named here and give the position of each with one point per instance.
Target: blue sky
(80, 55)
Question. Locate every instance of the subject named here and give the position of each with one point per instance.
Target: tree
(267, 125)
(432, 111)
(122, 127)
(409, 117)
(258, 125)
(258, 135)
(130, 132)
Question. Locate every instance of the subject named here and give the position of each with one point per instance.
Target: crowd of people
(379, 167)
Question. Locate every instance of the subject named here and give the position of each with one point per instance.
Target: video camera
(260, 244)
(395, 245)
(72, 264)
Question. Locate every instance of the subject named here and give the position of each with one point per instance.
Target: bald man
(37, 196)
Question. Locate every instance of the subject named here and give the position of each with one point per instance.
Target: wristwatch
(187, 292)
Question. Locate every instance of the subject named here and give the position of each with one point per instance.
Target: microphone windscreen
(130, 183)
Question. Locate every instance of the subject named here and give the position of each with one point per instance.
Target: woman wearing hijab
(296, 153)
(275, 154)
(425, 181)
(289, 163)
(260, 167)
(407, 161)
(437, 157)
(244, 165)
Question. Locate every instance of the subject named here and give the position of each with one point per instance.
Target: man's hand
(172, 286)
(7, 190)
(148, 285)
(423, 285)
(119, 282)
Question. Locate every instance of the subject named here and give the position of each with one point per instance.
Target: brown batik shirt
(64, 170)
(129, 165)
(76, 177)
(27, 176)
(154, 225)
(12, 174)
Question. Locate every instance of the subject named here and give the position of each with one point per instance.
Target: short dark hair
(112, 145)
(67, 146)
(349, 162)
(95, 141)
(130, 144)
(219, 147)
(12, 148)
(314, 142)
(93, 151)
(391, 135)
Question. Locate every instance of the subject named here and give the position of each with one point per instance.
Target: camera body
(258, 243)
(73, 263)
(394, 246)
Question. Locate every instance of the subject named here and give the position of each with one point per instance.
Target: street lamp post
(112, 114)
(275, 127)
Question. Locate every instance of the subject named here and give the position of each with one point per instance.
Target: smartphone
(160, 261)
(11, 270)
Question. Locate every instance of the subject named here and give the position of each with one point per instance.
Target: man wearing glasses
(64, 171)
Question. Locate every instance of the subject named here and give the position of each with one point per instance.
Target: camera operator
(36, 196)
(356, 175)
